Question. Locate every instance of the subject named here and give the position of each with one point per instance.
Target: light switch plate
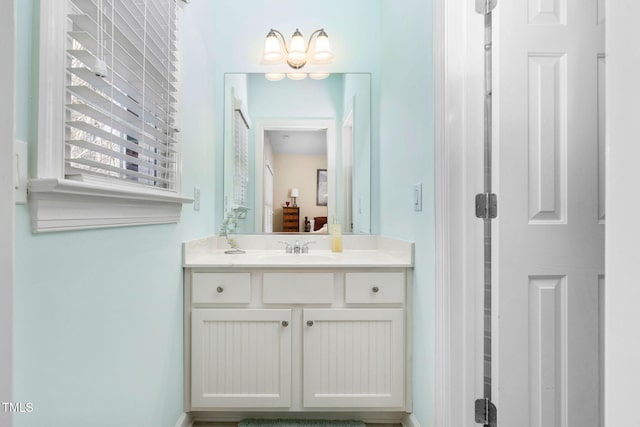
(417, 197)
(20, 172)
(196, 198)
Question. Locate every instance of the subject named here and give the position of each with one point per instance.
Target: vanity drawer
(221, 288)
(297, 288)
(381, 288)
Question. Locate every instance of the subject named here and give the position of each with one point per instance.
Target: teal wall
(407, 153)
(98, 314)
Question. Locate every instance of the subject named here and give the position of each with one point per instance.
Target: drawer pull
(375, 289)
(309, 323)
(285, 323)
(220, 289)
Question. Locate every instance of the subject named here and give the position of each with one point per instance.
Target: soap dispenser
(335, 230)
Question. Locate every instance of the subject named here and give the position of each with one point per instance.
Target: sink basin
(284, 258)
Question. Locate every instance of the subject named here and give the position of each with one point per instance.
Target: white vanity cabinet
(297, 339)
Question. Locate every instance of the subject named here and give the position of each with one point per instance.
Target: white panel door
(549, 232)
(240, 358)
(353, 358)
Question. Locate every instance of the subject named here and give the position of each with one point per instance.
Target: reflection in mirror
(297, 154)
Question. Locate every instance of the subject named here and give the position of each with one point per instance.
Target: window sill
(64, 205)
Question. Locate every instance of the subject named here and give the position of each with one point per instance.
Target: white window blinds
(121, 91)
(240, 159)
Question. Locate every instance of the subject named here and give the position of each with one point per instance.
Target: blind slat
(129, 83)
(129, 55)
(124, 48)
(122, 124)
(91, 146)
(99, 133)
(119, 126)
(144, 129)
(118, 170)
(123, 99)
(241, 159)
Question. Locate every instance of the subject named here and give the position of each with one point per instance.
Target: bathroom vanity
(273, 331)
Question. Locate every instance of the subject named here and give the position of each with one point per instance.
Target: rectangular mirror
(297, 153)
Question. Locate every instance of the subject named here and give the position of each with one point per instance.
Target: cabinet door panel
(354, 358)
(241, 358)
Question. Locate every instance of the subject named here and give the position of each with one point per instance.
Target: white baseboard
(410, 420)
(368, 417)
(185, 420)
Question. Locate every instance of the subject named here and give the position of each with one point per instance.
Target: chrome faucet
(295, 248)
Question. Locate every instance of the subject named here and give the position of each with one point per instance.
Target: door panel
(549, 238)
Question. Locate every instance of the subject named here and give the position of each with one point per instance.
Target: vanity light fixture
(296, 54)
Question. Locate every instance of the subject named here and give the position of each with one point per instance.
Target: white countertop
(264, 251)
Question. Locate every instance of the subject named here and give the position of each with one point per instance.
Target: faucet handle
(287, 246)
(305, 247)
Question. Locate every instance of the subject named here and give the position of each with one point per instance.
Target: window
(240, 159)
(108, 146)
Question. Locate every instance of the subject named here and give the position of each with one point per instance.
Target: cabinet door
(240, 358)
(354, 358)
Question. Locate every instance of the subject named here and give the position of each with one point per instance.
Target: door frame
(7, 207)
(458, 65)
(296, 125)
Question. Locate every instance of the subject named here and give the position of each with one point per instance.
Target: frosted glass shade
(274, 77)
(297, 53)
(297, 76)
(318, 76)
(272, 48)
(322, 53)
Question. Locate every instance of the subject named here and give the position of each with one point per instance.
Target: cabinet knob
(285, 323)
(220, 289)
(375, 289)
(309, 323)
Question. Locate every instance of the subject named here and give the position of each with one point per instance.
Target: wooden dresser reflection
(291, 219)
